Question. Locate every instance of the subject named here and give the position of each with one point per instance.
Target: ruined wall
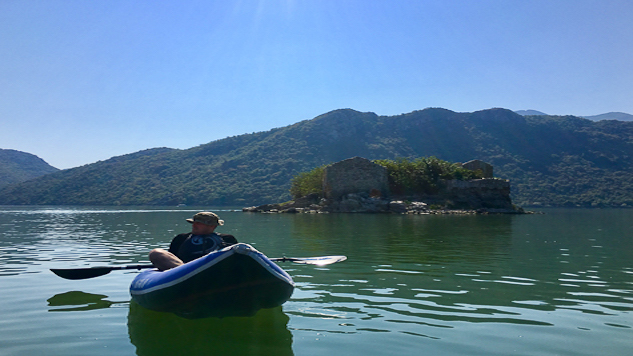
(355, 175)
(480, 193)
(477, 165)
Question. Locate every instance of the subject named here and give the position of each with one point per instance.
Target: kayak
(235, 281)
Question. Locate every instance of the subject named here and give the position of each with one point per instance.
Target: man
(187, 247)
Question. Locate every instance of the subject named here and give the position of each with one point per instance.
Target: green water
(559, 283)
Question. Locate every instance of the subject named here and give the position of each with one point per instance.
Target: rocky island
(358, 185)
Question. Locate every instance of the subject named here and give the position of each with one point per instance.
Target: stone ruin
(477, 165)
(359, 185)
(355, 176)
(487, 193)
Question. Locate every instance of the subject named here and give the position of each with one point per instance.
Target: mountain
(17, 166)
(550, 160)
(620, 116)
(611, 116)
(529, 112)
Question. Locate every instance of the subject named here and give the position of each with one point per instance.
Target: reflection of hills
(155, 333)
(384, 239)
(441, 271)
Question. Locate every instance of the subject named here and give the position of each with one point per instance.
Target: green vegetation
(423, 175)
(306, 183)
(549, 160)
(406, 177)
(16, 166)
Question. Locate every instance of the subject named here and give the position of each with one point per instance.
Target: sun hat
(207, 218)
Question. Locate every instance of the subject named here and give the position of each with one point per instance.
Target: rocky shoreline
(357, 203)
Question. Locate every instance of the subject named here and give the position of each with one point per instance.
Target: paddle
(92, 272)
(319, 261)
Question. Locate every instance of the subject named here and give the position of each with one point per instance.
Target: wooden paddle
(92, 272)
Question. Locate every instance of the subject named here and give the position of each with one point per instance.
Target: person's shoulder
(182, 236)
(178, 239)
(227, 237)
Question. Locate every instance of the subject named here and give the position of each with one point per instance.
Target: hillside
(611, 116)
(550, 160)
(620, 116)
(16, 167)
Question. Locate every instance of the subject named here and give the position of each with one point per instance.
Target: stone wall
(355, 176)
(480, 193)
(477, 165)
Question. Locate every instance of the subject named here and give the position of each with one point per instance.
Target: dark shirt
(188, 247)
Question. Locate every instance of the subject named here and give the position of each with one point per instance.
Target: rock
(397, 207)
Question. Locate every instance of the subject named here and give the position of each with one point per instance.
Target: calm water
(559, 283)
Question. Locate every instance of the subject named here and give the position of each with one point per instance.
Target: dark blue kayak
(235, 281)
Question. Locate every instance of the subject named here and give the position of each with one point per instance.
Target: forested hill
(16, 166)
(550, 160)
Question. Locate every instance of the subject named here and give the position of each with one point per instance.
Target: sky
(83, 81)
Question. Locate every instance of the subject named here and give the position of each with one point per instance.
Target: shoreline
(361, 205)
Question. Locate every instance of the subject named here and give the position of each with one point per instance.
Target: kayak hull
(235, 281)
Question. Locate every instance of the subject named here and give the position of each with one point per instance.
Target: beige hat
(207, 218)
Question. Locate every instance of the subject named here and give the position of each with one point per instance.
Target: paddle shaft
(92, 272)
(129, 267)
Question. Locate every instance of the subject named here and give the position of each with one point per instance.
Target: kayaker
(187, 247)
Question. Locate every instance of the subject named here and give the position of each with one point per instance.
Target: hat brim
(191, 221)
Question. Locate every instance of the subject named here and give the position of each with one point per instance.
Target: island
(359, 185)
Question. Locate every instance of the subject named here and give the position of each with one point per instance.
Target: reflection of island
(155, 333)
(385, 238)
(78, 301)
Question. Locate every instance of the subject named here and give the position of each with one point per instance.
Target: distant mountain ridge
(550, 160)
(620, 116)
(529, 112)
(611, 116)
(17, 166)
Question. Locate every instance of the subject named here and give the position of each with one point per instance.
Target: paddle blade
(319, 261)
(82, 273)
(92, 272)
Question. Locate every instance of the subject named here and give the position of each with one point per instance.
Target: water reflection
(426, 273)
(559, 283)
(79, 301)
(408, 239)
(155, 333)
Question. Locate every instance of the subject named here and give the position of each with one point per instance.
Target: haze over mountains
(550, 160)
(608, 116)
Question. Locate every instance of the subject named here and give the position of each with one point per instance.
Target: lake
(558, 283)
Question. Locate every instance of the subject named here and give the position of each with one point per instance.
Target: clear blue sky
(82, 81)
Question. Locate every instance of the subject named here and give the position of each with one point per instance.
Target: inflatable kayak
(235, 281)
